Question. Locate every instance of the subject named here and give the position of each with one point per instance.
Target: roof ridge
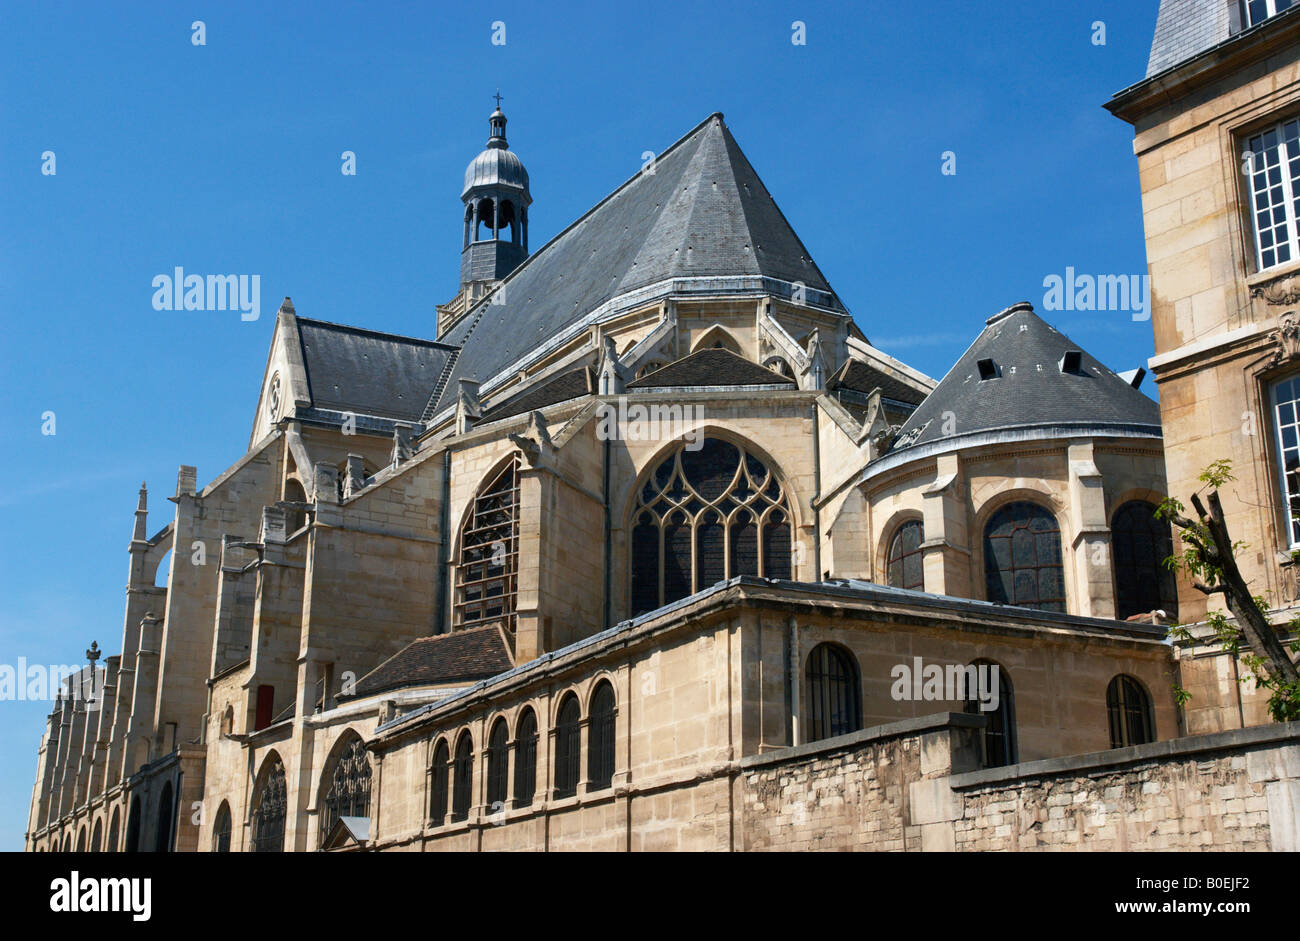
(350, 328)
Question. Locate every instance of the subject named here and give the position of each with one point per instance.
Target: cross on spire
(497, 96)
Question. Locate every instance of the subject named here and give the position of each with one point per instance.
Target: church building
(647, 547)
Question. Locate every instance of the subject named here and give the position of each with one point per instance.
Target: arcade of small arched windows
(582, 748)
(834, 695)
(1024, 562)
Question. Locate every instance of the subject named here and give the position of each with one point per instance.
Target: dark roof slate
(561, 388)
(1187, 28)
(865, 378)
(713, 367)
(459, 657)
(702, 212)
(367, 372)
(1030, 389)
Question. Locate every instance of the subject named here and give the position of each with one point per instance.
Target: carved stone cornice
(1280, 291)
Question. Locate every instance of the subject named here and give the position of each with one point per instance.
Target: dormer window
(988, 370)
(1257, 11)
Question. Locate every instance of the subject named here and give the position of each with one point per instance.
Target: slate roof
(714, 367)
(367, 372)
(1186, 28)
(1030, 389)
(865, 378)
(459, 657)
(702, 212)
(562, 388)
(496, 167)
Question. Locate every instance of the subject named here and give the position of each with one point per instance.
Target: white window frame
(1288, 197)
(1272, 11)
(1289, 518)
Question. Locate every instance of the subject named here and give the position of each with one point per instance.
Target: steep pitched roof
(367, 372)
(1187, 28)
(459, 657)
(1027, 388)
(703, 212)
(714, 367)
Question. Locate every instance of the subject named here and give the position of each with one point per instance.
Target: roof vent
(1071, 361)
(1013, 309)
(1134, 377)
(988, 369)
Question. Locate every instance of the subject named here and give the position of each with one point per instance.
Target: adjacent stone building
(1217, 122)
(648, 549)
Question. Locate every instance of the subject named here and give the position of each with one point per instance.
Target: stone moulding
(1286, 337)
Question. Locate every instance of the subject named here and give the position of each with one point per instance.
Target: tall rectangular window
(1273, 168)
(1257, 11)
(1286, 426)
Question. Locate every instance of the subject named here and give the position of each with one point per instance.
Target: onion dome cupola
(496, 202)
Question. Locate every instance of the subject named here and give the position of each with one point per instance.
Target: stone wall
(1231, 790)
(890, 788)
(853, 792)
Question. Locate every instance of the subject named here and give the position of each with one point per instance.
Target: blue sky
(225, 158)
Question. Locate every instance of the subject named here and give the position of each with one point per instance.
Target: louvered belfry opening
(704, 516)
(487, 577)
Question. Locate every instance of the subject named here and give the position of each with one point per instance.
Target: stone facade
(1222, 314)
(628, 576)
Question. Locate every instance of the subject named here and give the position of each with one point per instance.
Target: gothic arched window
(525, 758)
(834, 699)
(568, 747)
(97, 838)
(600, 738)
(906, 569)
(498, 765)
(1022, 558)
(487, 576)
(348, 794)
(999, 739)
(704, 516)
(1141, 543)
(462, 775)
(113, 831)
(270, 805)
(221, 830)
(440, 769)
(1128, 707)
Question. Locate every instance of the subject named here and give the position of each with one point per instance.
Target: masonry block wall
(855, 792)
(1233, 790)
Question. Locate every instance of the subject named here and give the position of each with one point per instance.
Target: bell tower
(496, 202)
(494, 240)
